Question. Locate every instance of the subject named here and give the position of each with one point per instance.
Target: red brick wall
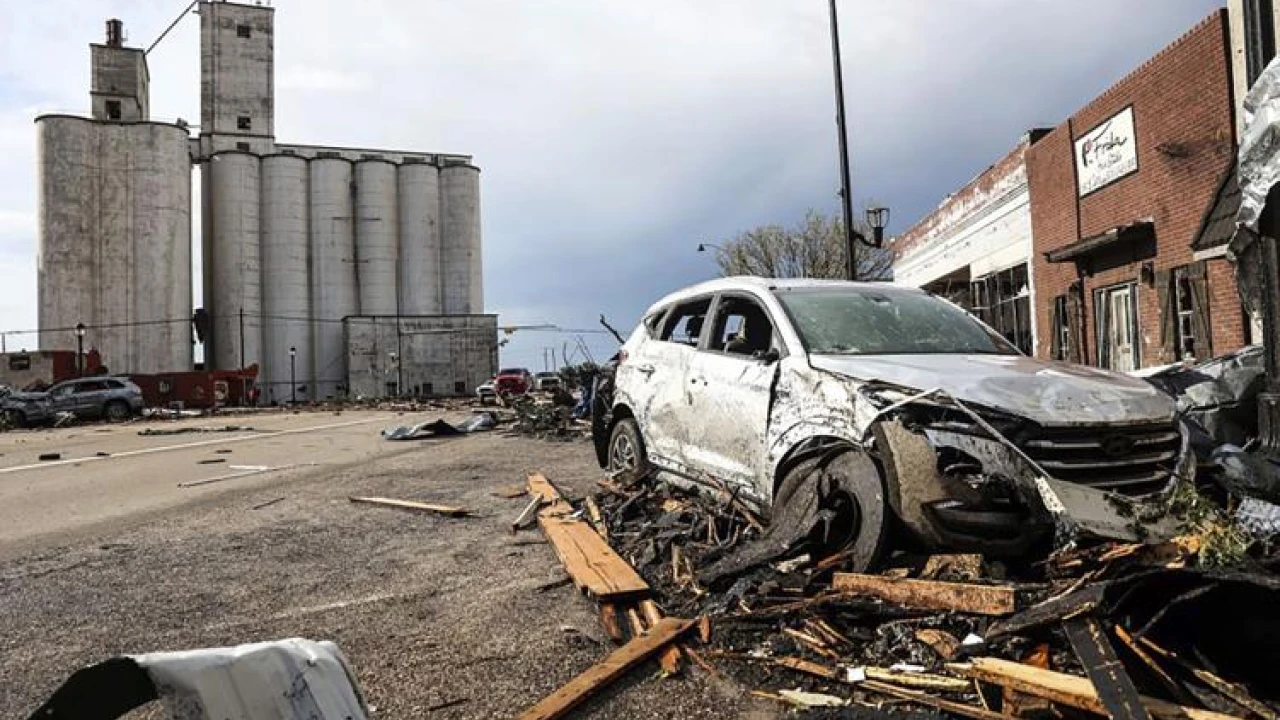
(1181, 102)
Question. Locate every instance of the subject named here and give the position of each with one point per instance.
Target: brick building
(1120, 193)
(975, 248)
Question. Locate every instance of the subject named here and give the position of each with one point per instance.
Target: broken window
(244, 31)
(885, 321)
(741, 327)
(654, 322)
(1184, 313)
(1060, 345)
(243, 122)
(242, 146)
(1003, 301)
(113, 110)
(684, 324)
(1116, 323)
(19, 362)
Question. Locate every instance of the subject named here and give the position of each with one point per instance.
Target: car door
(654, 374)
(88, 397)
(729, 381)
(62, 398)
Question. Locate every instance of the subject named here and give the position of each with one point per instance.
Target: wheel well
(801, 452)
(620, 412)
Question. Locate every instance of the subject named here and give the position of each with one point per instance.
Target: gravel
(433, 612)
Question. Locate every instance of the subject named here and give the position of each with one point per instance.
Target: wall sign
(1106, 153)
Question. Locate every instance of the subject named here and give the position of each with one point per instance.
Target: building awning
(1219, 222)
(1120, 235)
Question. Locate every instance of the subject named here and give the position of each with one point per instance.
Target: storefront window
(1116, 323)
(1003, 301)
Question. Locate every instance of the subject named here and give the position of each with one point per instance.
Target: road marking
(257, 435)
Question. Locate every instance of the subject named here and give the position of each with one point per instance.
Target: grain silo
(376, 232)
(234, 296)
(460, 265)
(333, 270)
(286, 290)
(419, 276)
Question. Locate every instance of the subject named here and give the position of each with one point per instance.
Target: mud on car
(860, 415)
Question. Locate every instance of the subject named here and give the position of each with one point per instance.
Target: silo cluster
(296, 244)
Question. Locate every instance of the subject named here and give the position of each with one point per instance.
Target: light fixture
(80, 330)
(878, 219)
(293, 351)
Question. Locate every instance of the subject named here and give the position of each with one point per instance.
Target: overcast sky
(613, 135)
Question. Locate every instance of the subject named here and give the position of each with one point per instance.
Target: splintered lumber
(1237, 693)
(526, 516)
(930, 594)
(606, 671)
(885, 688)
(923, 681)
(597, 520)
(1070, 690)
(448, 510)
(1114, 686)
(670, 658)
(609, 620)
(594, 566)
(1175, 688)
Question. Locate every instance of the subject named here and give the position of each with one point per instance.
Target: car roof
(764, 284)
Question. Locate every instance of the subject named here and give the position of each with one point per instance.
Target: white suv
(847, 409)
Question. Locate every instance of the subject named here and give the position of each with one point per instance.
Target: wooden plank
(670, 658)
(597, 520)
(923, 681)
(1175, 688)
(526, 515)
(593, 565)
(1070, 690)
(448, 510)
(609, 620)
(930, 594)
(606, 671)
(1115, 688)
(539, 485)
(1236, 692)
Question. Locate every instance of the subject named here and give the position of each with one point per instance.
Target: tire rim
(839, 521)
(623, 454)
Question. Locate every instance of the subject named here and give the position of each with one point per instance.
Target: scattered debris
(440, 428)
(211, 461)
(238, 471)
(268, 503)
(447, 510)
(50, 456)
(147, 432)
(510, 492)
(930, 594)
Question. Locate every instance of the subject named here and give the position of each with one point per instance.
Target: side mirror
(768, 357)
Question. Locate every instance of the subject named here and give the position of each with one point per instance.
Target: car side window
(684, 324)
(62, 391)
(115, 384)
(89, 387)
(654, 322)
(741, 327)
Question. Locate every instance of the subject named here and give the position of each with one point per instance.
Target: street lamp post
(80, 330)
(293, 384)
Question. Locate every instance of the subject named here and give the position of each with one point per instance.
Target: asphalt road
(100, 557)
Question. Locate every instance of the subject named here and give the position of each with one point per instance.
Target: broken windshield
(888, 321)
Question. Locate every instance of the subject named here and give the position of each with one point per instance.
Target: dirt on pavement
(428, 609)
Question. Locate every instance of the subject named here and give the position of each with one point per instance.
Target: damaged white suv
(853, 413)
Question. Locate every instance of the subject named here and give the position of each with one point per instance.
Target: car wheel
(628, 462)
(116, 411)
(837, 502)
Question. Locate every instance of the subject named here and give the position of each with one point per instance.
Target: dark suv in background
(110, 398)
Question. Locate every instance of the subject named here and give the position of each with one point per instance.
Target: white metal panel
(236, 253)
(419, 214)
(460, 262)
(333, 270)
(1004, 223)
(286, 290)
(377, 229)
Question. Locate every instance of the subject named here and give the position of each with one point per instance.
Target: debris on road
(50, 456)
(440, 428)
(929, 594)
(148, 432)
(548, 417)
(268, 503)
(447, 510)
(246, 681)
(211, 461)
(237, 471)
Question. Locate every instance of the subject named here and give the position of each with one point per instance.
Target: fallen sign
(555, 705)
(930, 594)
(448, 510)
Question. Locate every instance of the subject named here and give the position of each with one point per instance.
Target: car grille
(1134, 460)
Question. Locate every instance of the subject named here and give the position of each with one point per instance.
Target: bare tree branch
(813, 248)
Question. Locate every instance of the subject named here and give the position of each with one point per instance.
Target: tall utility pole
(846, 197)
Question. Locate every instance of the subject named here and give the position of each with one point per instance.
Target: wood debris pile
(547, 416)
(1130, 631)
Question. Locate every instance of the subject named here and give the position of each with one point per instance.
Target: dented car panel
(982, 449)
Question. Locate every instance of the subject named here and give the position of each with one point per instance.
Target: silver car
(110, 398)
(848, 411)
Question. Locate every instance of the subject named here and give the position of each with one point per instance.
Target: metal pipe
(846, 196)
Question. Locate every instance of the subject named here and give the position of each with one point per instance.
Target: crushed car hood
(1044, 392)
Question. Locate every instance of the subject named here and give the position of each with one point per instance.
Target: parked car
(486, 392)
(110, 398)
(513, 381)
(547, 381)
(863, 414)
